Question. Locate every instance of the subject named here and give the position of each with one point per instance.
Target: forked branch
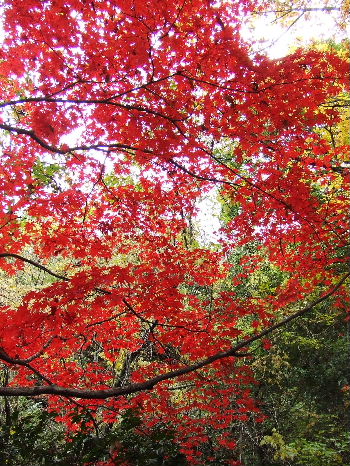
(53, 389)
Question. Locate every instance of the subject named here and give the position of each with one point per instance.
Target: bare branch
(301, 9)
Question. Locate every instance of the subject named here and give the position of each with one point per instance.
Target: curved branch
(70, 150)
(149, 384)
(32, 135)
(109, 102)
(36, 264)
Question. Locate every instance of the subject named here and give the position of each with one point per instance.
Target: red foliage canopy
(117, 116)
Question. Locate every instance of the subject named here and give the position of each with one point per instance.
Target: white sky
(277, 40)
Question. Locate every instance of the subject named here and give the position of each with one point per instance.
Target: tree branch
(36, 264)
(149, 384)
(70, 150)
(301, 9)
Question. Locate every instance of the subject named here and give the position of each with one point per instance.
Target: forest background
(131, 333)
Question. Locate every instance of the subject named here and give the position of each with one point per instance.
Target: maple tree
(117, 116)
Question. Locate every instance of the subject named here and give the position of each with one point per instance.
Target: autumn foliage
(117, 117)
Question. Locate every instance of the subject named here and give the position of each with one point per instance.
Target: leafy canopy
(116, 117)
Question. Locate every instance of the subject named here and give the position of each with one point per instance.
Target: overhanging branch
(149, 384)
(34, 263)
